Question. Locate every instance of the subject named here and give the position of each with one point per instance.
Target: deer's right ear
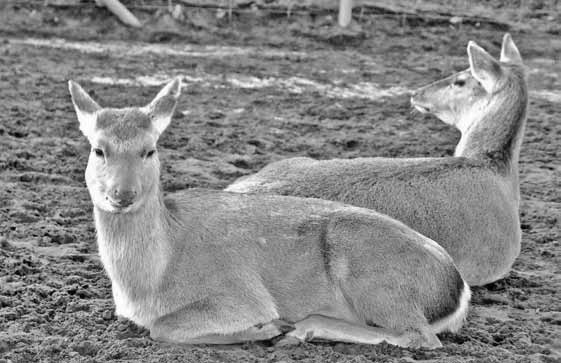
(483, 66)
(85, 108)
(162, 107)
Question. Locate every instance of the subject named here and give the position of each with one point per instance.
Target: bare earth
(256, 91)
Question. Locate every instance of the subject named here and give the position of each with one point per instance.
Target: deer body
(467, 203)
(288, 265)
(439, 197)
(215, 267)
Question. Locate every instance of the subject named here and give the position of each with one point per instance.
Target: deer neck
(134, 247)
(495, 133)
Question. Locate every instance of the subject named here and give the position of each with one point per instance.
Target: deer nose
(123, 197)
(414, 93)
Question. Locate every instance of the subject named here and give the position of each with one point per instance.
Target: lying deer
(214, 267)
(467, 203)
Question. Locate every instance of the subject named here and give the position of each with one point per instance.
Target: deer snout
(413, 96)
(418, 101)
(417, 95)
(122, 197)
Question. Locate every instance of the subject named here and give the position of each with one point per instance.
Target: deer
(468, 202)
(204, 266)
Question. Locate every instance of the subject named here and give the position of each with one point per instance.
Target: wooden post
(345, 13)
(120, 11)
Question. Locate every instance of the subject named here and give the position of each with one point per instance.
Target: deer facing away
(467, 203)
(215, 267)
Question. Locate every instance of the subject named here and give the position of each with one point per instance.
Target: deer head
(123, 166)
(459, 99)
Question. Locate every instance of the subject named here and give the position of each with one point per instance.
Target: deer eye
(459, 82)
(98, 152)
(150, 153)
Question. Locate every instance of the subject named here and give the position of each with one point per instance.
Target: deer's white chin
(120, 210)
(421, 108)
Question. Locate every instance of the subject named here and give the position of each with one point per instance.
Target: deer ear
(163, 105)
(483, 66)
(509, 51)
(85, 108)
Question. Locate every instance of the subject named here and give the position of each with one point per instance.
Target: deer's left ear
(85, 108)
(162, 107)
(486, 69)
(509, 51)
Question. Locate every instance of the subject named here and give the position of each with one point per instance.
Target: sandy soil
(255, 92)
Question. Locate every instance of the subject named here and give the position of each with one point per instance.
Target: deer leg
(255, 333)
(321, 327)
(211, 321)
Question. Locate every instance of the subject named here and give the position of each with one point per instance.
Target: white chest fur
(135, 259)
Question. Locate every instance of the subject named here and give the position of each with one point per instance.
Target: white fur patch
(454, 322)
(243, 186)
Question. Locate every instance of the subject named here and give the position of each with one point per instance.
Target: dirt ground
(259, 89)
